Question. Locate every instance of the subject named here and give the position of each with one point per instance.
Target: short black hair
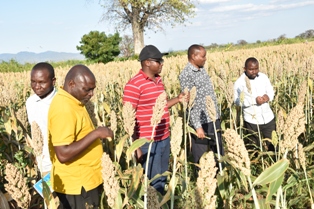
(193, 48)
(250, 59)
(45, 66)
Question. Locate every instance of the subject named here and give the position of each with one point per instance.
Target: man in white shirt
(257, 113)
(37, 106)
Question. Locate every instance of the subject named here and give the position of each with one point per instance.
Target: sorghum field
(249, 179)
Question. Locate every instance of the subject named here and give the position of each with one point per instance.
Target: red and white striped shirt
(142, 92)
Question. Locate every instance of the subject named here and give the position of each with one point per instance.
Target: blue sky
(58, 25)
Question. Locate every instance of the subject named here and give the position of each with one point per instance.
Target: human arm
(206, 92)
(200, 133)
(267, 91)
(66, 153)
(270, 94)
(262, 99)
(139, 155)
(131, 93)
(236, 94)
(29, 104)
(176, 100)
(242, 97)
(187, 80)
(265, 98)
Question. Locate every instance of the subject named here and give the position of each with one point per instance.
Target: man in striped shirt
(142, 91)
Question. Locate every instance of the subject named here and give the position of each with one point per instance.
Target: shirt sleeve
(62, 127)
(131, 93)
(269, 89)
(237, 92)
(187, 82)
(240, 87)
(28, 111)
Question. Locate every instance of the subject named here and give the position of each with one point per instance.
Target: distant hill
(48, 56)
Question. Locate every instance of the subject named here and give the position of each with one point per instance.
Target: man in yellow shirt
(74, 143)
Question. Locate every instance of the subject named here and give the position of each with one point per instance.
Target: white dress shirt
(253, 113)
(37, 110)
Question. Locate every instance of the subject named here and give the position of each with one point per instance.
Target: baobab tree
(146, 14)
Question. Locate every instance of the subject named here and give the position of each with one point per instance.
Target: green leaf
(308, 147)
(8, 127)
(106, 107)
(135, 145)
(137, 197)
(241, 178)
(119, 147)
(49, 200)
(118, 201)
(273, 187)
(167, 196)
(221, 186)
(272, 173)
(262, 204)
(137, 174)
(223, 125)
(191, 130)
(166, 173)
(291, 182)
(310, 83)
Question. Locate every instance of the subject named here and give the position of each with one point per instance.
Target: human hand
(200, 133)
(139, 155)
(265, 97)
(104, 132)
(259, 100)
(262, 100)
(184, 97)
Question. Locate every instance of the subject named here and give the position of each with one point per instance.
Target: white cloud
(212, 1)
(240, 7)
(276, 1)
(261, 7)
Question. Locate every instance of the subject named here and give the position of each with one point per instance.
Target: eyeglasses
(160, 61)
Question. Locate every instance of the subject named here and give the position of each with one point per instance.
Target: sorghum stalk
(211, 109)
(248, 86)
(175, 150)
(158, 112)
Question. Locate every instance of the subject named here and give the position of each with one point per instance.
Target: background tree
(127, 46)
(150, 14)
(242, 42)
(98, 47)
(282, 37)
(306, 34)
(213, 46)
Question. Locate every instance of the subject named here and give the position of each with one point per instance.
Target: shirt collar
(193, 68)
(148, 78)
(48, 97)
(69, 96)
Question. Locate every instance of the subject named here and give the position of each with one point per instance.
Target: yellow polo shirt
(68, 122)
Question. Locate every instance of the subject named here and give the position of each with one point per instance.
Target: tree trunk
(138, 37)
(138, 33)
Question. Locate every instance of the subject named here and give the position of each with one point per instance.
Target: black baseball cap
(150, 51)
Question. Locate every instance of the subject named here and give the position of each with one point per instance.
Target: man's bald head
(194, 49)
(80, 83)
(78, 71)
